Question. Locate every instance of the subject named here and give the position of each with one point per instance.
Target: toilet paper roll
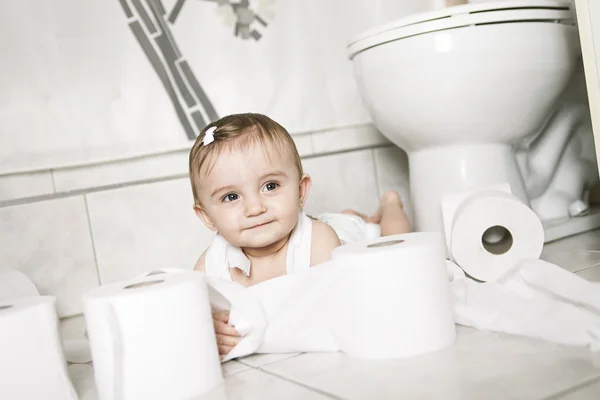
(32, 365)
(15, 284)
(394, 297)
(492, 231)
(153, 338)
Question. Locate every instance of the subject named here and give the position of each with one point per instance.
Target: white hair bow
(209, 136)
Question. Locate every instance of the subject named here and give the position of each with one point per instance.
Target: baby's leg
(358, 214)
(391, 216)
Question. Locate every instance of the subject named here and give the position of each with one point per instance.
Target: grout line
(144, 155)
(350, 150)
(377, 180)
(572, 389)
(112, 186)
(269, 363)
(586, 268)
(95, 189)
(52, 179)
(305, 386)
(87, 212)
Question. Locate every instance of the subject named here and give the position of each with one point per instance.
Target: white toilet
(457, 88)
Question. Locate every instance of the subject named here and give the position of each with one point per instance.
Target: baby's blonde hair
(238, 131)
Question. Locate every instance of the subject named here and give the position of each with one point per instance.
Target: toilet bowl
(459, 87)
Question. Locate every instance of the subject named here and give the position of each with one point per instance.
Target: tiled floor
(480, 365)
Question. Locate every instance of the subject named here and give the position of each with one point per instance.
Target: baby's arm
(227, 336)
(200, 263)
(324, 240)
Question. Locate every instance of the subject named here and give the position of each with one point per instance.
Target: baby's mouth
(259, 225)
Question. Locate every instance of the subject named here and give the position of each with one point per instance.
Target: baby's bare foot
(391, 197)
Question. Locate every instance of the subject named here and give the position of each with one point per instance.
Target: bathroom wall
(93, 163)
(71, 229)
(100, 81)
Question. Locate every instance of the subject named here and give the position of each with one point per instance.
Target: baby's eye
(270, 186)
(230, 197)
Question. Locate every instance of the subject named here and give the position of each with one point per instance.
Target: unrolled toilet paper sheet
(385, 298)
(534, 299)
(399, 301)
(389, 300)
(301, 312)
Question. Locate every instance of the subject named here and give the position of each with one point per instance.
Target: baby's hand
(227, 336)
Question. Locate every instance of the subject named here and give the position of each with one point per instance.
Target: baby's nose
(255, 206)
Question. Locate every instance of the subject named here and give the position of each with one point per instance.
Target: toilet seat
(461, 16)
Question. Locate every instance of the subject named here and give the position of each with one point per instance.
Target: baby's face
(252, 197)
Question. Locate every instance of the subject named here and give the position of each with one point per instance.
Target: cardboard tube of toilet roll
(492, 232)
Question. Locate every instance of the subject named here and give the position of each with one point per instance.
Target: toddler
(250, 188)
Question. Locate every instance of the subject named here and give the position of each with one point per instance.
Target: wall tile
(137, 169)
(391, 164)
(342, 181)
(18, 186)
(303, 144)
(140, 228)
(50, 242)
(353, 137)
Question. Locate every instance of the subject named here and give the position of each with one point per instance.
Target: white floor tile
(478, 366)
(592, 274)
(247, 384)
(76, 345)
(259, 360)
(49, 241)
(591, 391)
(575, 260)
(258, 385)
(82, 376)
(233, 367)
(73, 327)
(574, 253)
(585, 241)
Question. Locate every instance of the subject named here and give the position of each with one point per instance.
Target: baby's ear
(304, 189)
(201, 213)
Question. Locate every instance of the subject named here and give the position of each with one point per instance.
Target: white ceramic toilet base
(450, 169)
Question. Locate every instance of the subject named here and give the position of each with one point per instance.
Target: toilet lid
(460, 16)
